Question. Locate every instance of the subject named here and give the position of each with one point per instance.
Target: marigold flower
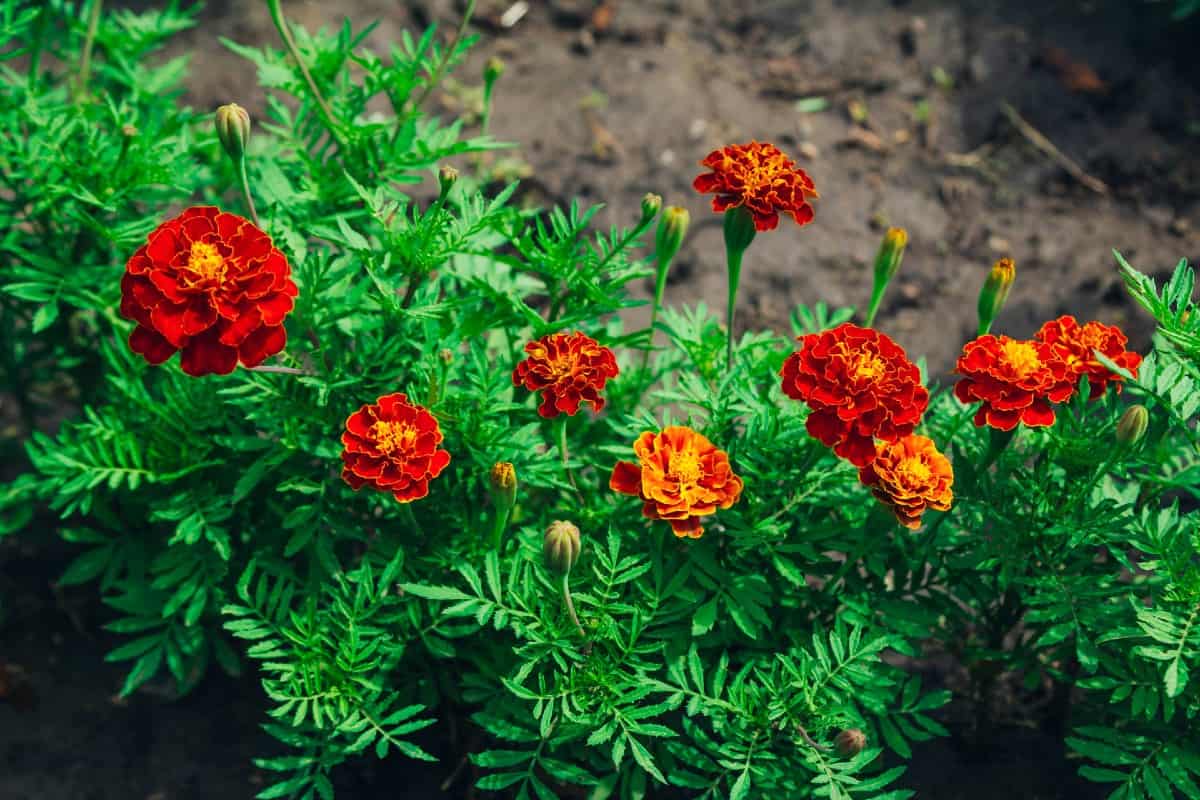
(1073, 344)
(212, 285)
(860, 386)
(392, 445)
(567, 368)
(909, 476)
(681, 476)
(760, 177)
(1016, 380)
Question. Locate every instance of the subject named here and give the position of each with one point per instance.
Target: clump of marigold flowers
(1073, 344)
(212, 285)
(909, 476)
(1016, 381)
(568, 369)
(680, 477)
(392, 445)
(860, 386)
(761, 178)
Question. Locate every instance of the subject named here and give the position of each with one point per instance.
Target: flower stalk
(667, 241)
(739, 233)
(887, 263)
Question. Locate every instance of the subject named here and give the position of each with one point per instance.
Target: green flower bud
(651, 204)
(1132, 425)
(850, 742)
(739, 229)
(492, 70)
(891, 251)
(561, 547)
(233, 129)
(502, 478)
(995, 292)
(671, 229)
(447, 177)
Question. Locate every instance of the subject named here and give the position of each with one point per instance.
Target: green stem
(566, 588)
(290, 43)
(244, 178)
(410, 518)
(873, 309)
(436, 76)
(499, 523)
(660, 286)
(89, 39)
(734, 262)
(562, 446)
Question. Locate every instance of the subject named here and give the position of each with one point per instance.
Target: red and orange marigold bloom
(680, 477)
(860, 386)
(909, 476)
(1073, 344)
(392, 445)
(568, 369)
(209, 284)
(1016, 381)
(761, 178)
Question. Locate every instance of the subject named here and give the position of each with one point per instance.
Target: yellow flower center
(1022, 357)
(391, 436)
(914, 471)
(685, 466)
(206, 261)
(867, 366)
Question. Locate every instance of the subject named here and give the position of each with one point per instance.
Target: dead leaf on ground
(1076, 76)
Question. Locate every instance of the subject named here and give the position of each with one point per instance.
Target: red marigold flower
(1073, 344)
(211, 284)
(860, 386)
(760, 177)
(909, 476)
(567, 368)
(392, 445)
(1016, 380)
(681, 476)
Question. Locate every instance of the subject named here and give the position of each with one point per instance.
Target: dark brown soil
(608, 109)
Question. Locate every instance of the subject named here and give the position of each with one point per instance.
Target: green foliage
(210, 515)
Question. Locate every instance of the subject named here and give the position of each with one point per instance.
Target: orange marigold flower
(760, 177)
(909, 476)
(392, 445)
(567, 368)
(1073, 344)
(211, 284)
(681, 476)
(860, 386)
(1016, 380)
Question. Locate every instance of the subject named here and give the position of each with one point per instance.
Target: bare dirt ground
(897, 110)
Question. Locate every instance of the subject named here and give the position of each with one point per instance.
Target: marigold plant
(759, 177)
(910, 476)
(392, 445)
(1017, 381)
(860, 386)
(211, 285)
(680, 477)
(568, 369)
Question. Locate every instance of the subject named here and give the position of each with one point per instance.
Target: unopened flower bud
(891, 251)
(995, 292)
(447, 177)
(492, 70)
(651, 205)
(1132, 425)
(502, 478)
(850, 742)
(446, 355)
(561, 547)
(671, 229)
(233, 129)
(739, 229)
(129, 130)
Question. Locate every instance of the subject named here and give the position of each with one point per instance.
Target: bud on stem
(233, 131)
(995, 292)
(739, 233)
(1132, 425)
(502, 483)
(887, 264)
(850, 742)
(667, 241)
